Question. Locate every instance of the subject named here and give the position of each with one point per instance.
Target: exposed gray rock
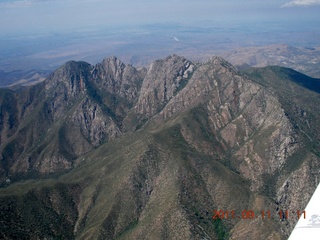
(223, 130)
(163, 81)
(93, 124)
(117, 78)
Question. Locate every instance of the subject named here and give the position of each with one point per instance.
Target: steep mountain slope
(64, 117)
(149, 154)
(298, 95)
(301, 105)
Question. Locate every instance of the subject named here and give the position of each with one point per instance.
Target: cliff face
(150, 153)
(76, 109)
(163, 81)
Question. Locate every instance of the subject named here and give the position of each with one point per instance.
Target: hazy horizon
(42, 34)
(18, 17)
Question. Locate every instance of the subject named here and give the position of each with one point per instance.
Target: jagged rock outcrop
(88, 119)
(150, 153)
(163, 81)
(117, 78)
(239, 112)
(76, 109)
(66, 85)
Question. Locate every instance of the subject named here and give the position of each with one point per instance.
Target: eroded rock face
(117, 78)
(95, 126)
(206, 132)
(90, 102)
(249, 120)
(66, 85)
(294, 191)
(72, 112)
(163, 81)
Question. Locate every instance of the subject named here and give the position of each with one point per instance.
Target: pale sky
(36, 16)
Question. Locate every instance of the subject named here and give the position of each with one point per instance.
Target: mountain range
(110, 151)
(302, 59)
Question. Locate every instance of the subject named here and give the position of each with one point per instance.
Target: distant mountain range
(16, 79)
(302, 59)
(306, 60)
(109, 151)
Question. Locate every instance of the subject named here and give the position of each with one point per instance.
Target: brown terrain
(108, 151)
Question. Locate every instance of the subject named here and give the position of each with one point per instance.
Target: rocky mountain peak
(68, 80)
(115, 77)
(69, 70)
(185, 137)
(163, 80)
(218, 62)
(113, 66)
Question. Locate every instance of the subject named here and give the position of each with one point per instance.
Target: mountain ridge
(150, 153)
